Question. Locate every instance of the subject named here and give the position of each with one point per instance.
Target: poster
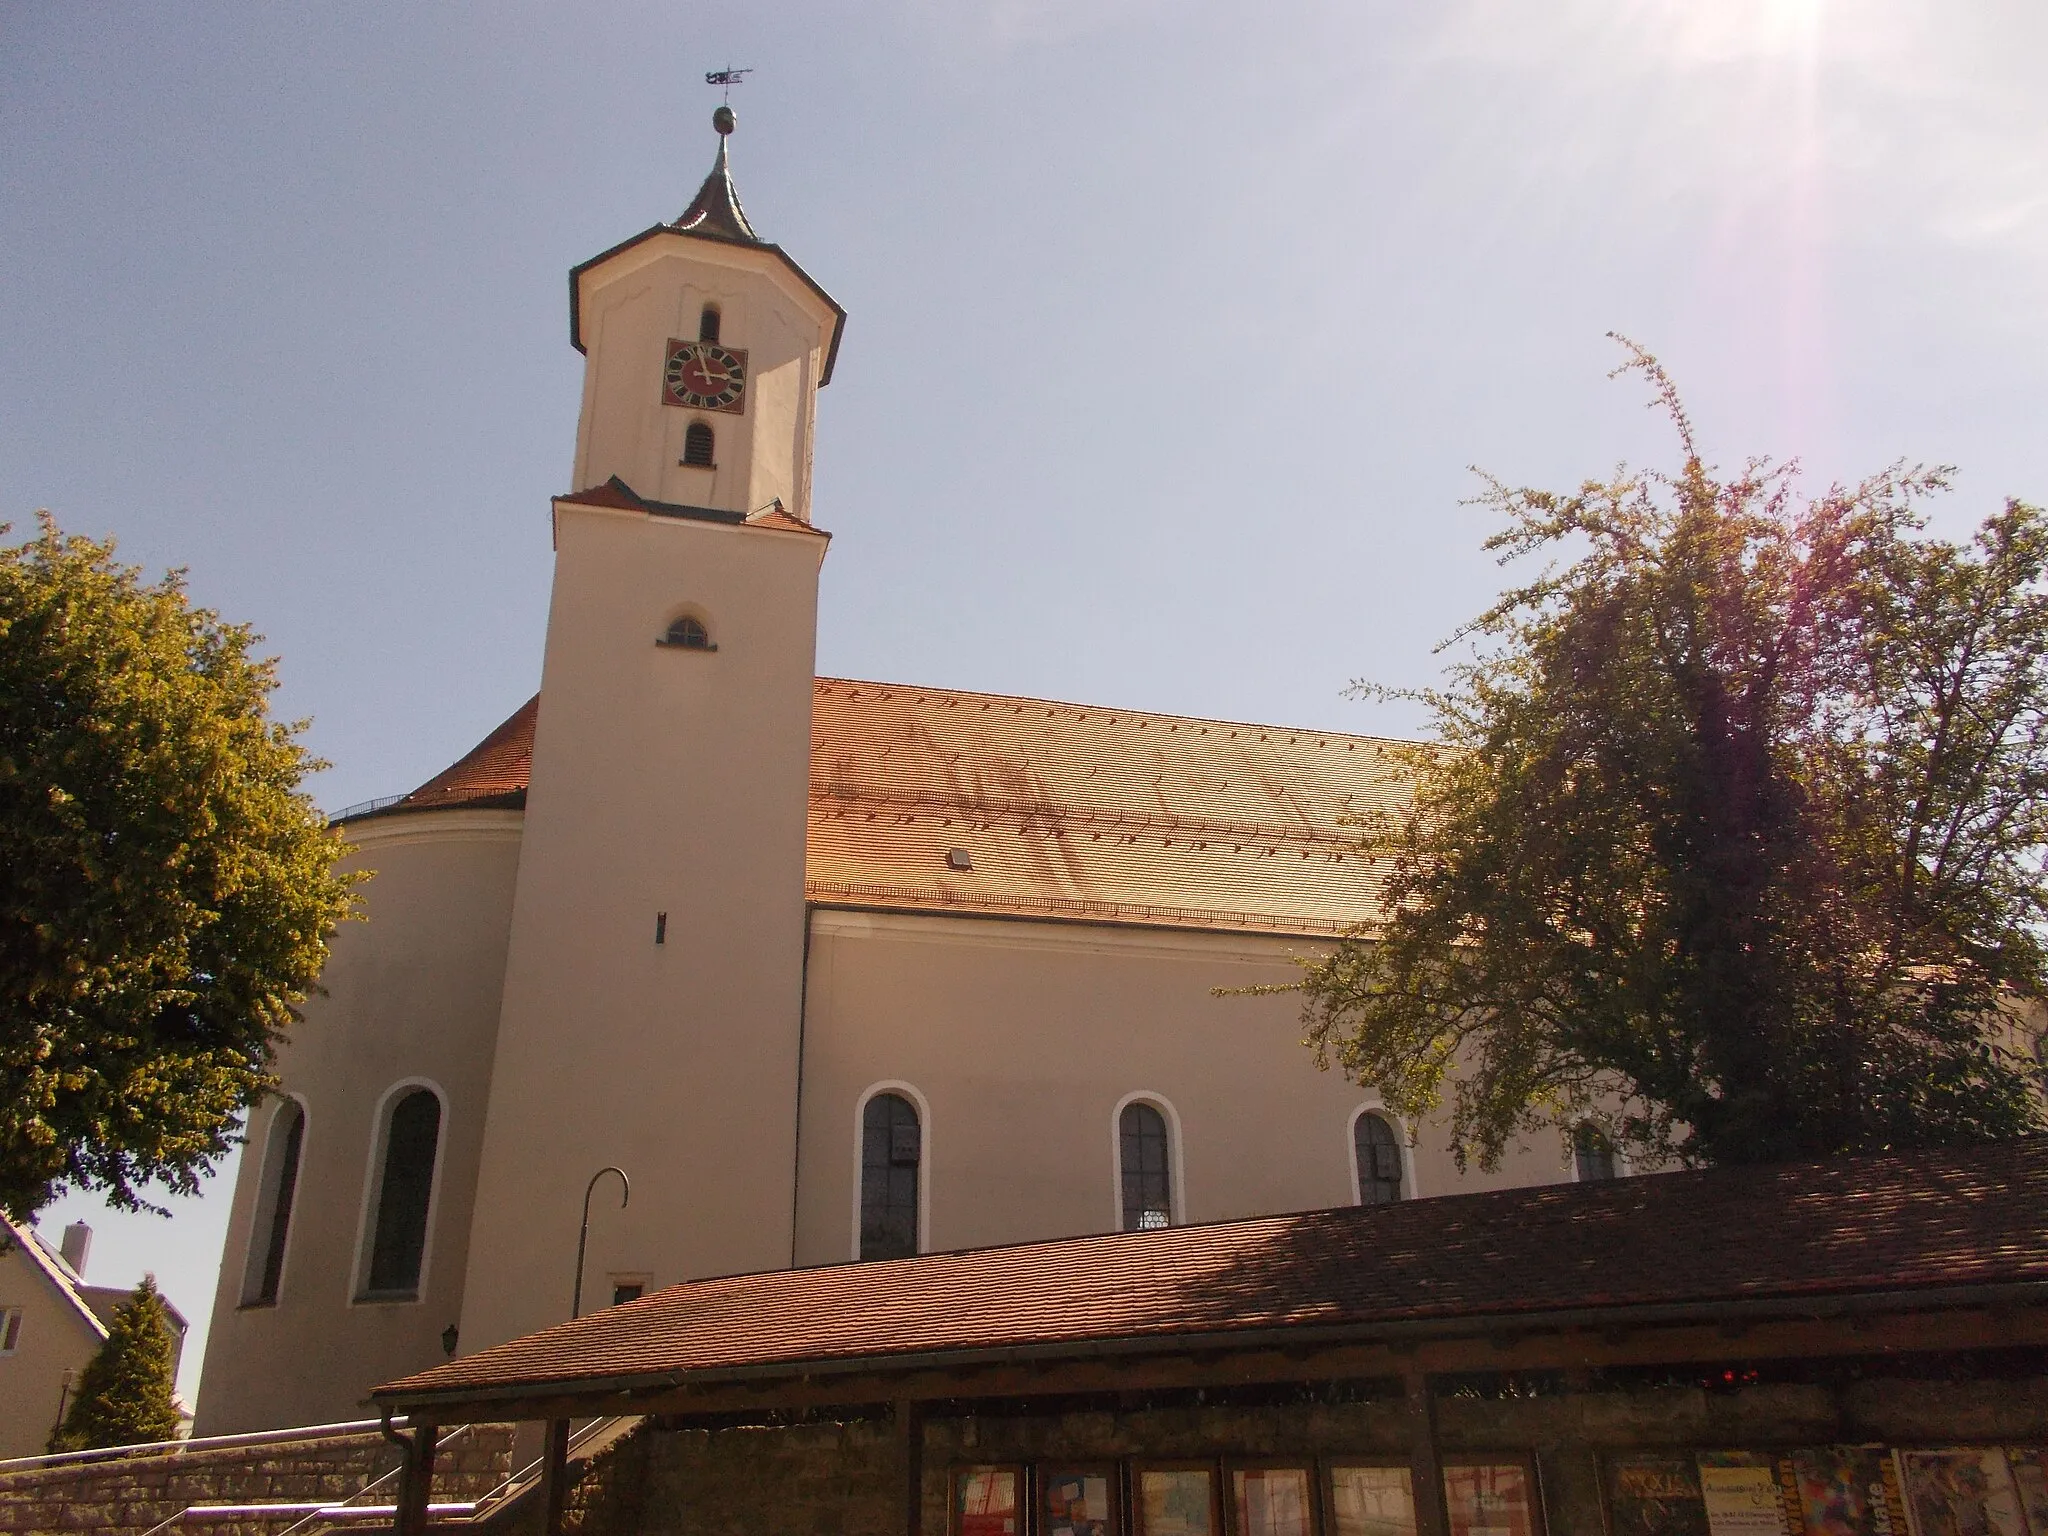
(1967, 1492)
(1655, 1496)
(1076, 1503)
(985, 1501)
(1490, 1500)
(1371, 1501)
(1271, 1501)
(1740, 1492)
(1841, 1490)
(2030, 1478)
(1177, 1502)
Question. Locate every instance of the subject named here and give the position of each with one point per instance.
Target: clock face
(704, 376)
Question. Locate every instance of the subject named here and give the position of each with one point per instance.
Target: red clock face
(703, 376)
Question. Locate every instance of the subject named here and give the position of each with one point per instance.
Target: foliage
(124, 1393)
(1732, 837)
(166, 890)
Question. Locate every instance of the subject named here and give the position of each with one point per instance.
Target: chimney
(77, 1247)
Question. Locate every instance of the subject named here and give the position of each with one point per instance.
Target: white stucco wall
(54, 1339)
(632, 305)
(411, 994)
(668, 781)
(1024, 1038)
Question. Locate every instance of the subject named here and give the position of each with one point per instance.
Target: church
(764, 970)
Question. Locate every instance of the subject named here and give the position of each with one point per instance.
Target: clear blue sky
(1173, 324)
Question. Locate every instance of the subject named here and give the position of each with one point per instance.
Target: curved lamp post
(582, 1241)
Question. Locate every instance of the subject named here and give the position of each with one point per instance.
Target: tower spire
(716, 210)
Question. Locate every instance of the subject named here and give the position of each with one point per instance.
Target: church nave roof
(936, 799)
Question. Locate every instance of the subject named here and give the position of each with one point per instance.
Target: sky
(1176, 327)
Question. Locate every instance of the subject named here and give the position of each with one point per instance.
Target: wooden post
(1425, 1465)
(910, 1449)
(416, 1482)
(555, 1474)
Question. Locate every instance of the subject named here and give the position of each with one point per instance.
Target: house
(51, 1324)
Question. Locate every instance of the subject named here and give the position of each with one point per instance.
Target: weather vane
(726, 79)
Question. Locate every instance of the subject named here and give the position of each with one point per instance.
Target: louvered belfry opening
(698, 444)
(707, 323)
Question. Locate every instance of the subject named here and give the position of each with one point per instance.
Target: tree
(1731, 839)
(124, 1394)
(166, 889)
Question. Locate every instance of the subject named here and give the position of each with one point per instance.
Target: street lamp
(625, 1197)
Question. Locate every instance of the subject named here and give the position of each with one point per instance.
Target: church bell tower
(653, 980)
(737, 340)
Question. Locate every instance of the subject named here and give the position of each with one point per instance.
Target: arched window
(1144, 1153)
(405, 1187)
(690, 634)
(891, 1148)
(707, 323)
(698, 444)
(272, 1225)
(1379, 1160)
(1592, 1153)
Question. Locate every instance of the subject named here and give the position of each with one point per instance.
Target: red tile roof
(492, 773)
(1799, 1232)
(1067, 810)
(1060, 810)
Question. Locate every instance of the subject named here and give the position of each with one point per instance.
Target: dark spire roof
(717, 211)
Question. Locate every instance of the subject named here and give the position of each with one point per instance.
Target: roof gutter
(1768, 1309)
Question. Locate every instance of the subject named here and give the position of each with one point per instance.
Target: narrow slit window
(707, 323)
(691, 635)
(891, 1157)
(1147, 1183)
(1592, 1153)
(405, 1189)
(699, 445)
(280, 1187)
(1379, 1160)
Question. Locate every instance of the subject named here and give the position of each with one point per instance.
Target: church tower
(653, 983)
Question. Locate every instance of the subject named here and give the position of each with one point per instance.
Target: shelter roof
(1921, 1224)
(1061, 811)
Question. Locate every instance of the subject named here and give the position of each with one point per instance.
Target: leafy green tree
(1731, 839)
(124, 1393)
(166, 889)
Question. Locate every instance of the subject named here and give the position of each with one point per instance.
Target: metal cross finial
(726, 79)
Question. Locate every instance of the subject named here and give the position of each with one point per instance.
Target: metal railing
(363, 808)
(185, 1447)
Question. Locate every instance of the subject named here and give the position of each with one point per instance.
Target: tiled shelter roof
(1058, 810)
(1883, 1225)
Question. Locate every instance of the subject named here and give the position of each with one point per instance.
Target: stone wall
(813, 1479)
(130, 1494)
